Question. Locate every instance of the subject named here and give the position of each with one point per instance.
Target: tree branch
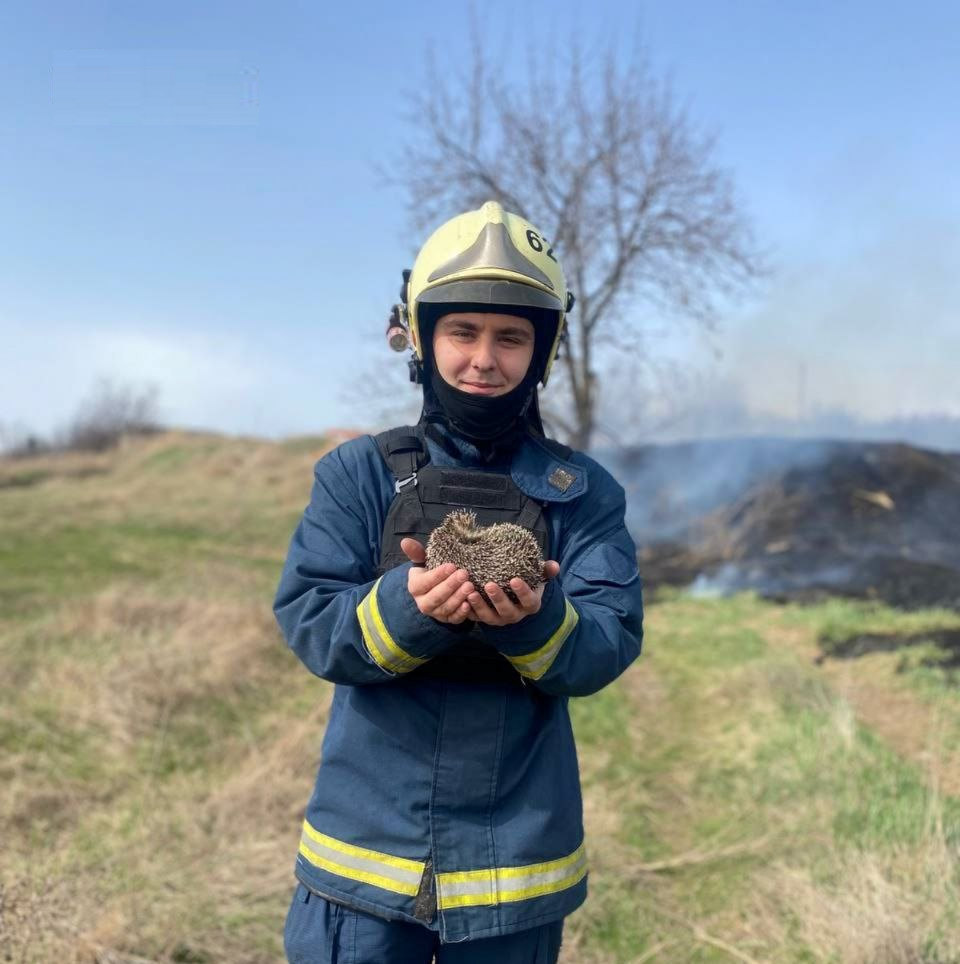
(641, 214)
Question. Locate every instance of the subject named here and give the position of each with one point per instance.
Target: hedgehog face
(496, 553)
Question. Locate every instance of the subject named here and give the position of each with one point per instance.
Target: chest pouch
(426, 494)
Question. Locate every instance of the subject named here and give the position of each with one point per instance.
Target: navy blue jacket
(474, 783)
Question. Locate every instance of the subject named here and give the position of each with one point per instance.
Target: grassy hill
(749, 795)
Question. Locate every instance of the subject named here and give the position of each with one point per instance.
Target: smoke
(671, 488)
(730, 578)
(717, 408)
(855, 334)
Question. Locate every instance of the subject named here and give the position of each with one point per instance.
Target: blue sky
(190, 197)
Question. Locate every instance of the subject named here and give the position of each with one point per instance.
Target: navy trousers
(321, 932)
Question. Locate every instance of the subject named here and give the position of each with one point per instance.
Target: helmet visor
(492, 292)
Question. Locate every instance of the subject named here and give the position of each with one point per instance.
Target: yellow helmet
(488, 257)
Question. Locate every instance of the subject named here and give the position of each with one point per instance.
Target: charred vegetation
(800, 520)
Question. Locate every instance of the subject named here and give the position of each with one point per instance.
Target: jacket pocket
(609, 564)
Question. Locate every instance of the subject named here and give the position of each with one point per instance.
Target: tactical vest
(426, 493)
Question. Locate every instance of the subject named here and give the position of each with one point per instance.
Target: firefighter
(446, 819)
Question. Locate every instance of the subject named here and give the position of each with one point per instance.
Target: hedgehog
(496, 553)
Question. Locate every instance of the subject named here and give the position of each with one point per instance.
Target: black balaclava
(486, 419)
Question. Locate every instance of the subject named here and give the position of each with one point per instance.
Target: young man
(446, 818)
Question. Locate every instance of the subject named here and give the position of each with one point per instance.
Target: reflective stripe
(468, 888)
(396, 874)
(380, 644)
(534, 665)
(502, 884)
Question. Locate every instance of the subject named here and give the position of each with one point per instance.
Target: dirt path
(913, 727)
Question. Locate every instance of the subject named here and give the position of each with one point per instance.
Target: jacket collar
(536, 470)
(544, 475)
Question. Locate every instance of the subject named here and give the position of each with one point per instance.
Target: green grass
(816, 783)
(158, 741)
(167, 459)
(75, 560)
(304, 444)
(27, 477)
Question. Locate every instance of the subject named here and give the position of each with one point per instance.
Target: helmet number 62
(537, 243)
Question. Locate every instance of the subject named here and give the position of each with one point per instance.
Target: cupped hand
(504, 611)
(440, 593)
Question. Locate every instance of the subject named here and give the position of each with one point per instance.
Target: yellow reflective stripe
(505, 896)
(470, 888)
(377, 880)
(507, 873)
(401, 863)
(381, 646)
(534, 665)
(396, 874)
(503, 884)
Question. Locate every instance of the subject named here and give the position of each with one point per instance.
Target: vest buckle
(400, 483)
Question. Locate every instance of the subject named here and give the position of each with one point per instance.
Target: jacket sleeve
(590, 624)
(344, 624)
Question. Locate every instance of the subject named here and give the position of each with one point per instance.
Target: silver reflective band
(396, 874)
(381, 646)
(535, 664)
(503, 884)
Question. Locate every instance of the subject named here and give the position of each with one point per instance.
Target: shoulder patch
(561, 479)
(540, 473)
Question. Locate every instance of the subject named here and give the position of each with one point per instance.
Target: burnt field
(798, 519)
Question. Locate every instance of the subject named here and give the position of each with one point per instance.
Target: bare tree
(111, 411)
(597, 152)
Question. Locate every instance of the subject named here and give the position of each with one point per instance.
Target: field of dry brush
(750, 795)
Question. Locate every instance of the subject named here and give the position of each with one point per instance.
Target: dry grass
(161, 739)
(158, 834)
(863, 909)
(159, 743)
